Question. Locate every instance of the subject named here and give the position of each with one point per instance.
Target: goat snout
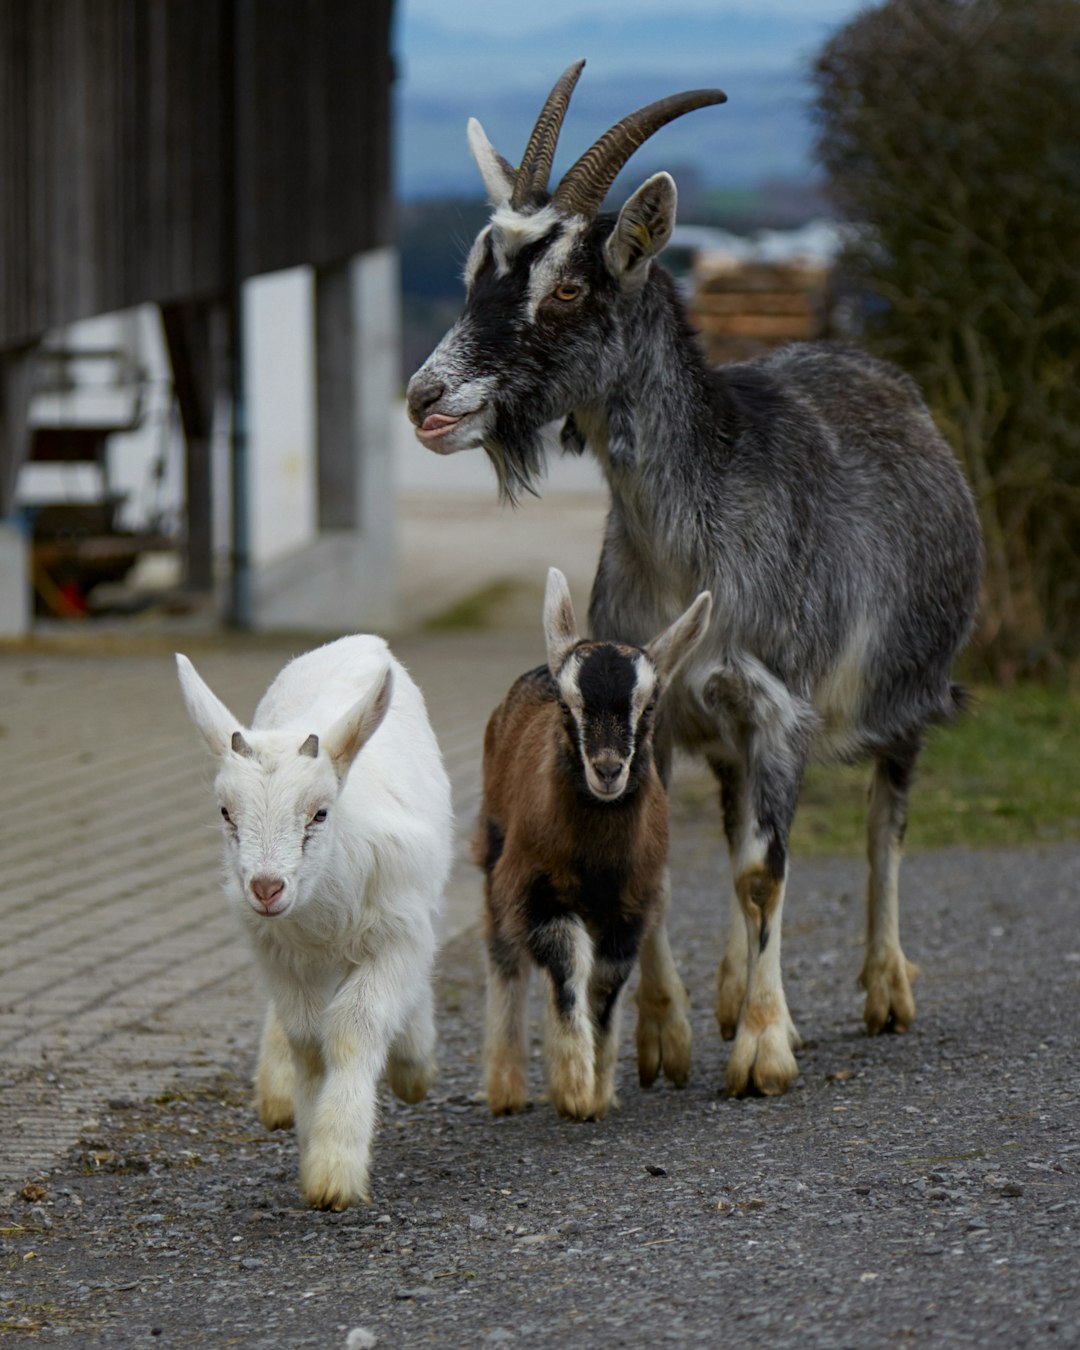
(423, 393)
(608, 773)
(267, 894)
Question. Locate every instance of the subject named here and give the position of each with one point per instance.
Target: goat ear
(497, 173)
(214, 721)
(642, 230)
(678, 640)
(560, 626)
(349, 734)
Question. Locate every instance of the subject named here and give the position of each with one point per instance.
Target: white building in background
(301, 578)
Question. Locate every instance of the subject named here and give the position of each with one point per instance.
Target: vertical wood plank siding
(120, 164)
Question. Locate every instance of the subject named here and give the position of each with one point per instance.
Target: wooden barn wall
(314, 117)
(131, 131)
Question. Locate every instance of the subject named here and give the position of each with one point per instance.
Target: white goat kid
(336, 861)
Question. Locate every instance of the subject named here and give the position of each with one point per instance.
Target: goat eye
(318, 817)
(225, 815)
(566, 292)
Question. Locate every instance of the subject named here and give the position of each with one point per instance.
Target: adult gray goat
(808, 490)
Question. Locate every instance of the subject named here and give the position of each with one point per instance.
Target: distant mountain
(450, 72)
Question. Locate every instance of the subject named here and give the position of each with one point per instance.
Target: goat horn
(532, 176)
(585, 184)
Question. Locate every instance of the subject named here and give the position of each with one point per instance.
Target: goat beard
(517, 454)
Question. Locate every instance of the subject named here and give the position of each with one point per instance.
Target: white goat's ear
(642, 230)
(349, 734)
(218, 726)
(678, 640)
(498, 174)
(560, 626)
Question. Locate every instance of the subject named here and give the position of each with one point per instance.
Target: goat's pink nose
(267, 889)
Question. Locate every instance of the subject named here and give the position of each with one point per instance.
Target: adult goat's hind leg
(886, 973)
(765, 1037)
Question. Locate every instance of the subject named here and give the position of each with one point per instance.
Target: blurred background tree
(950, 130)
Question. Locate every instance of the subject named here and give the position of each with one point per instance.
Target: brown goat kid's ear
(560, 626)
(644, 227)
(677, 641)
(349, 734)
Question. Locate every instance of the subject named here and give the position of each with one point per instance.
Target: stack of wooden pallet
(743, 308)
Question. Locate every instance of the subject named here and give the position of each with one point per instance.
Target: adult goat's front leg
(761, 1055)
(886, 973)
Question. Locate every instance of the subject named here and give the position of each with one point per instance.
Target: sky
(496, 60)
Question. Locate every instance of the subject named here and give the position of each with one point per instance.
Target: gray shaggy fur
(808, 490)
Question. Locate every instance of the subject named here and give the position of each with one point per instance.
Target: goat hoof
(334, 1184)
(573, 1091)
(763, 1061)
(890, 1005)
(329, 1197)
(507, 1106)
(664, 1041)
(506, 1091)
(730, 992)
(411, 1079)
(275, 1113)
(577, 1108)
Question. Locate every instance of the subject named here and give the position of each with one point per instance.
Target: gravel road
(920, 1190)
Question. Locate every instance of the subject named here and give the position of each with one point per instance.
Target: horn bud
(240, 746)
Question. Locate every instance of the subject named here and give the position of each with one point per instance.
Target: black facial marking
(541, 368)
(606, 679)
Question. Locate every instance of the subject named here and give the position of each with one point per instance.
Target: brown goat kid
(573, 843)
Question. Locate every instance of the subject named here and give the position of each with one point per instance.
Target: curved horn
(532, 176)
(585, 185)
